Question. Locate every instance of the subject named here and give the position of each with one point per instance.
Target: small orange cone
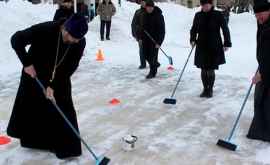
(114, 101)
(99, 56)
(170, 68)
(4, 140)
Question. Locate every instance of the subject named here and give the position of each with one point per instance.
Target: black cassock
(260, 126)
(34, 120)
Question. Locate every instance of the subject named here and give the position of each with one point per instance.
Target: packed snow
(181, 134)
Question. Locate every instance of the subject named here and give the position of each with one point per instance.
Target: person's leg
(211, 81)
(153, 53)
(147, 54)
(208, 81)
(204, 82)
(142, 57)
(156, 64)
(102, 26)
(108, 29)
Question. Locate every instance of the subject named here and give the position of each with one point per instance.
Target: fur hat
(76, 26)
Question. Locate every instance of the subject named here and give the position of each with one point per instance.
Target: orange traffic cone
(114, 101)
(4, 140)
(100, 56)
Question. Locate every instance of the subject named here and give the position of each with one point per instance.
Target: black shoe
(204, 93)
(142, 67)
(150, 76)
(154, 72)
(108, 38)
(158, 65)
(102, 39)
(209, 93)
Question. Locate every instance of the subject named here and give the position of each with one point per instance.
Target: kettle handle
(135, 138)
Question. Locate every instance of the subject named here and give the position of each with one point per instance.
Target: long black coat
(260, 126)
(263, 51)
(205, 32)
(154, 24)
(34, 120)
(137, 22)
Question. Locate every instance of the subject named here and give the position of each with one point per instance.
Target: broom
(227, 143)
(99, 160)
(171, 100)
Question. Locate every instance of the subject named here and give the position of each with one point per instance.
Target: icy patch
(262, 155)
(3, 126)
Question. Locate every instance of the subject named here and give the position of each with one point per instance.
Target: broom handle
(67, 121)
(242, 108)
(182, 72)
(240, 113)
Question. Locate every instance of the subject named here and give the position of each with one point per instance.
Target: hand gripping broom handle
(155, 42)
(67, 121)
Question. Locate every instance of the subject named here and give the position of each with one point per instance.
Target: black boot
(209, 93)
(142, 66)
(211, 81)
(150, 76)
(204, 93)
(205, 84)
(155, 71)
(152, 73)
(158, 64)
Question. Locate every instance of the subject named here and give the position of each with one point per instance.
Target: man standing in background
(106, 10)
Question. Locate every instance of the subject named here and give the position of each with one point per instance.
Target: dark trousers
(151, 56)
(260, 126)
(208, 78)
(102, 28)
(142, 57)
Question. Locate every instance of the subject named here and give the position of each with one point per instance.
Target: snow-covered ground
(182, 134)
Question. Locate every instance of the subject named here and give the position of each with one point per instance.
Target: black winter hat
(261, 5)
(76, 26)
(203, 2)
(149, 3)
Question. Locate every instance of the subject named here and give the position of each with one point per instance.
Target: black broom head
(227, 145)
(104, 161)
(169, 101)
